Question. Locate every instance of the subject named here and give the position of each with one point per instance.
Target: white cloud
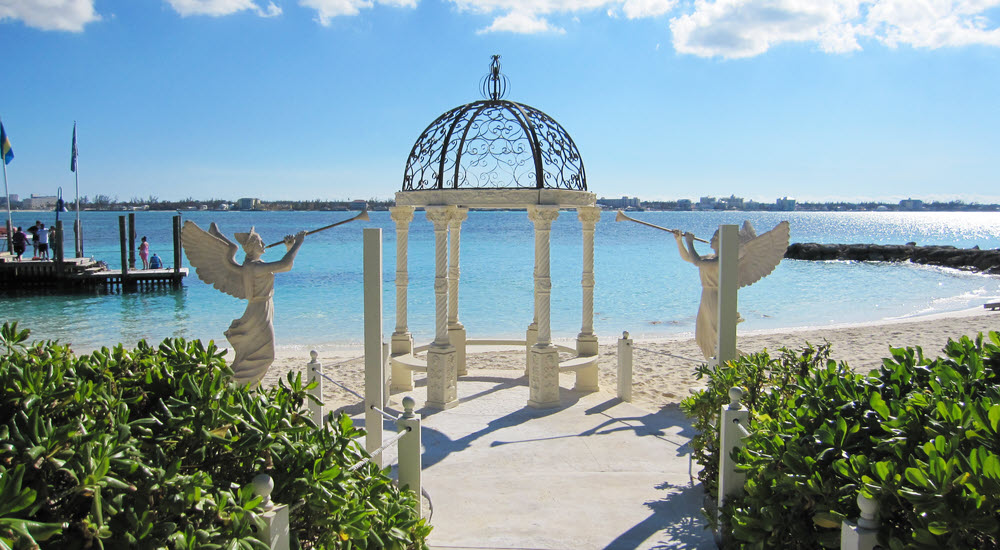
(933, 23)
(218, 8)
(530, 16)
(328, 9)
(635, 9)
(745, 28)
(742, 28)
(521, 23)
(50, 15)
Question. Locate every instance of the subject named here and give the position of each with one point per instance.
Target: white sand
(663, 370)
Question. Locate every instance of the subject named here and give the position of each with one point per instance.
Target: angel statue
(214, 259)
(758, 256)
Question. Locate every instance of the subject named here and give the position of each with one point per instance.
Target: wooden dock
(81, 273)
(62, 273)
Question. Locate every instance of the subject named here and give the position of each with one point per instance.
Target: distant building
(357, 205)
(624, 202)
(684, 204)
(38, 202)
(785, 204)
(248, 204)
(911, 204)
(707, 203)
(732, 203)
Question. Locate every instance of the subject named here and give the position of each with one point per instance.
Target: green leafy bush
(920, 435)
(156, 448)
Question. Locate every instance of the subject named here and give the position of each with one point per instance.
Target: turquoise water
(642, 285)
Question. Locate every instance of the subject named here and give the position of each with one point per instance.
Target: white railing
(734, 424)
(408, 427)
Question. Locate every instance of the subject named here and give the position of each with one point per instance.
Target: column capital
(401, 214)
(440, 214)
(459, 215)
(589, 214)
(542, 215)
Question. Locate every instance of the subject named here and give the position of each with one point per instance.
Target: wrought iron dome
(496, 144)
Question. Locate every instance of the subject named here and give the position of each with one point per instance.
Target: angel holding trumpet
(758, 256)
(214, 259)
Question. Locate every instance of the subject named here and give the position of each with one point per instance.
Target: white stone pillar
(375, 395)
(729, 243)
(543, 378)
(456, 331)
(586, 341)
(442, 370)
(402, 339)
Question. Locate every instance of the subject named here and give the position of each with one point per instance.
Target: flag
(5, 149)
(72, 161)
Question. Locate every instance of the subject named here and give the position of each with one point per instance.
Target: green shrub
(919, 435)
(156, 448)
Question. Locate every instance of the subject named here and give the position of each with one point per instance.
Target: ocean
(642, 284)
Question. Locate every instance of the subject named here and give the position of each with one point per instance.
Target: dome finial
(494, 85)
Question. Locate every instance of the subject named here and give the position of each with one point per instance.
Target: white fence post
(731, 418)
(276, 532)
(862, 535)
(729, 244)
(625, 367)
(314, 370)
(410, 463)
(375, 395)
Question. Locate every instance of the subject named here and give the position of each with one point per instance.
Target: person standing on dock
(34, 238)
(144, 252)
(20, 242)
(43, 242)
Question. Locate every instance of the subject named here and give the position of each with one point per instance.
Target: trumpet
(363, 216)
(622, 217)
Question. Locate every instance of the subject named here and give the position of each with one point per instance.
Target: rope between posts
(385, 414)
(740, 427)
(343, 387)
(384, 446)
(668, 354)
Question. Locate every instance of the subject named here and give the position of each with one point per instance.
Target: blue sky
(666, 99)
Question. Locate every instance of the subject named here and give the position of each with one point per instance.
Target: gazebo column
(586, 341)
(456, 331)
(442, 373)
(543, 378)
(530, 339)
(402, 340)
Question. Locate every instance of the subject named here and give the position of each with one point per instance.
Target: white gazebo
(492, 153)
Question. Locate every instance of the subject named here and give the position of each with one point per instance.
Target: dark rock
(972, 259)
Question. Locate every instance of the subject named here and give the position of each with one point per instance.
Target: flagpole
(10, 224)
(78, 229)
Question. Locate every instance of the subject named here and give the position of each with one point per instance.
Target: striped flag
(72, 161)
(5, 149)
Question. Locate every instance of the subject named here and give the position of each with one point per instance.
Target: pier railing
(408, 436)
(734, 427)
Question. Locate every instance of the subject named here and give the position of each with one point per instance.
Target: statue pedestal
(401, 378)
(587, 379)
(543, 379)
(457, 336)
(442, 377)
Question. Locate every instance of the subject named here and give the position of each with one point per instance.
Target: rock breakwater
(970, 259)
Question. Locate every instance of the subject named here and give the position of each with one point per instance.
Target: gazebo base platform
(585, 366)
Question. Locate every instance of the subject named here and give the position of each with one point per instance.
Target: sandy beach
(664, 369)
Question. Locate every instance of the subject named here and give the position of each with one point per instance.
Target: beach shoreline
(664, 368)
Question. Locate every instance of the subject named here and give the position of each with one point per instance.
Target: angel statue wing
(759, 255)
(214, 258)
